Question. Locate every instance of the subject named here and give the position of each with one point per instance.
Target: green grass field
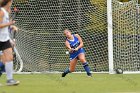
(74, 83)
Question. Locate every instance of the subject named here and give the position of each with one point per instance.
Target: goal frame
(110, 40)
(110, 43)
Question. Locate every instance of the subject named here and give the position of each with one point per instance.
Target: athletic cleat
(0, 74)
(64, 74)
(12, 82)
(89, 74)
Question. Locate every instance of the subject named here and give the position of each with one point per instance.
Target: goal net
(40, 40)
(126, 35)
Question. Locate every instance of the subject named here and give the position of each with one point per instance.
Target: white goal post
(110, 36)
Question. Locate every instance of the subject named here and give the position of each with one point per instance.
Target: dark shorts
(5, 45)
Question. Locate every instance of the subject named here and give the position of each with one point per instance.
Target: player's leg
(2, 68)
(7, 58)
(73, 65)
(82, 58)
(1, 65)
(71, 68)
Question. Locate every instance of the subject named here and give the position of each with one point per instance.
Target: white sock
(9, 70)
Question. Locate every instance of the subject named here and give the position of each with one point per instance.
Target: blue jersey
(74, 44)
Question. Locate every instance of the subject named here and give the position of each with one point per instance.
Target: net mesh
(126, 35)
(40, 41)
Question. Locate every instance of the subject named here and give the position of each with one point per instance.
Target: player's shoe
(89, 74)
(64, 74)
(12, 82)
(0, 74)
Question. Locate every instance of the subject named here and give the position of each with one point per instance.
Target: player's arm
(14, 28)
(80, 40)
(2, 25)
(68, 46)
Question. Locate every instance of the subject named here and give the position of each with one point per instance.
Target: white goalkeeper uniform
(4, 32)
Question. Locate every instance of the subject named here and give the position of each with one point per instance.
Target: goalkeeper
(74, 44)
